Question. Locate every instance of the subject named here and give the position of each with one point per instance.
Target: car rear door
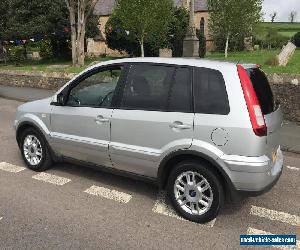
(271, 110)
(154, 117)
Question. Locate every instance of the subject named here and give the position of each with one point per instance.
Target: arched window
(202, 24)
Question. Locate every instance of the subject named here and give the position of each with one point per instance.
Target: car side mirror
(61, 99)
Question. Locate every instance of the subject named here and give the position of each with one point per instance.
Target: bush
(273, 61)
(272, 39)
(46, 49)
(296, 39)
(16, 54)
(236, 43)
(202, 44)
(61, 47)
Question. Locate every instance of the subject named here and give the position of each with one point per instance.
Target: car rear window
(263, 90)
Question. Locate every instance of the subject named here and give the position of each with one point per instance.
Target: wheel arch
(23, 126)
(27, 124)
(165, 168)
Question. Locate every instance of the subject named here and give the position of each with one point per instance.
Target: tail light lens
(256, 116)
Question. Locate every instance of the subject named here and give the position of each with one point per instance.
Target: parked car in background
(204, 130)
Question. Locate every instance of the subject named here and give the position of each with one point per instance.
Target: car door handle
(100, 120)
(180, 125)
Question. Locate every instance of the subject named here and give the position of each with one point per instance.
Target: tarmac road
(73, 207)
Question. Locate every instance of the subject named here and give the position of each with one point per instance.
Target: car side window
(210, 92)
(180, 98)
(147, 87)
(96, 90)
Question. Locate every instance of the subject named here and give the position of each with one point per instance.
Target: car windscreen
(263, 90)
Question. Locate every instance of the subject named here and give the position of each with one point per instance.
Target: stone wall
(289, 97)
(286, 87)
(34, 79)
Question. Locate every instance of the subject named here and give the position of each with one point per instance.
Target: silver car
(203, 130)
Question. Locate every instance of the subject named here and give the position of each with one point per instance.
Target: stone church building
(104, 8)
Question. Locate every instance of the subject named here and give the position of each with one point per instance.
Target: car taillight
(256, 116)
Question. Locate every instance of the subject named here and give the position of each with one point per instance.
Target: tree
(79, 13)
(118, 38)
(22, 20)
(3, 18)
(145, 18)
(296, 39)
(273, 16)
(178, 29)
(292, 16)
(230, 18)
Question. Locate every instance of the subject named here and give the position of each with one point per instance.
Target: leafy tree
(23, 19)
(202, 43)
(273, 16)
(4, 14)
(292, 16)
(145, 18)
(177, 30)
(28, 18)
(230, 18)
(117, 37)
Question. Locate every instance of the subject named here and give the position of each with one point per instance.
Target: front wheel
(195, 191)
(35, 150)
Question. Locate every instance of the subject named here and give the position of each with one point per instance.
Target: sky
(283, 9)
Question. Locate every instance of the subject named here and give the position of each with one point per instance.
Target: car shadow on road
(100, 176)
(231, 208)
(103, 177)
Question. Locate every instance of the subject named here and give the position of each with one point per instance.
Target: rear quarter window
(210, 92)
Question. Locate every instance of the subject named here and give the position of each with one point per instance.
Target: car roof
(175, 61)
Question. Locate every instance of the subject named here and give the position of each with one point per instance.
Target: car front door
(154, 117)
(80, 129)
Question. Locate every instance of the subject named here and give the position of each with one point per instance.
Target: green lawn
(287, 34)
(281, 25)
(285, 29)
(257, 57)
(260, 57)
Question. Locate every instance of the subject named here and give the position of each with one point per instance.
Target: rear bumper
(252, 176)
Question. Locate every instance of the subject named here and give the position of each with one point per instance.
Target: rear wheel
(195, 191)
(35, 150)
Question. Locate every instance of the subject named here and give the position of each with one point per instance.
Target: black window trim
(175, 66)
(66, 91)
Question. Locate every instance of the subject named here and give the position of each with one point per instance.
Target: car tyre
(197, 198)
(35, 150)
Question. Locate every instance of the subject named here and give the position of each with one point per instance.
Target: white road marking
(275, 215)
(257, 231)
(161, 207)
(293, 168)
(53, 179)
(1, 218)
(109, 194)
(10, 167)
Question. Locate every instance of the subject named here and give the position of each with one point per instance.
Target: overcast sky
(283, 8)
